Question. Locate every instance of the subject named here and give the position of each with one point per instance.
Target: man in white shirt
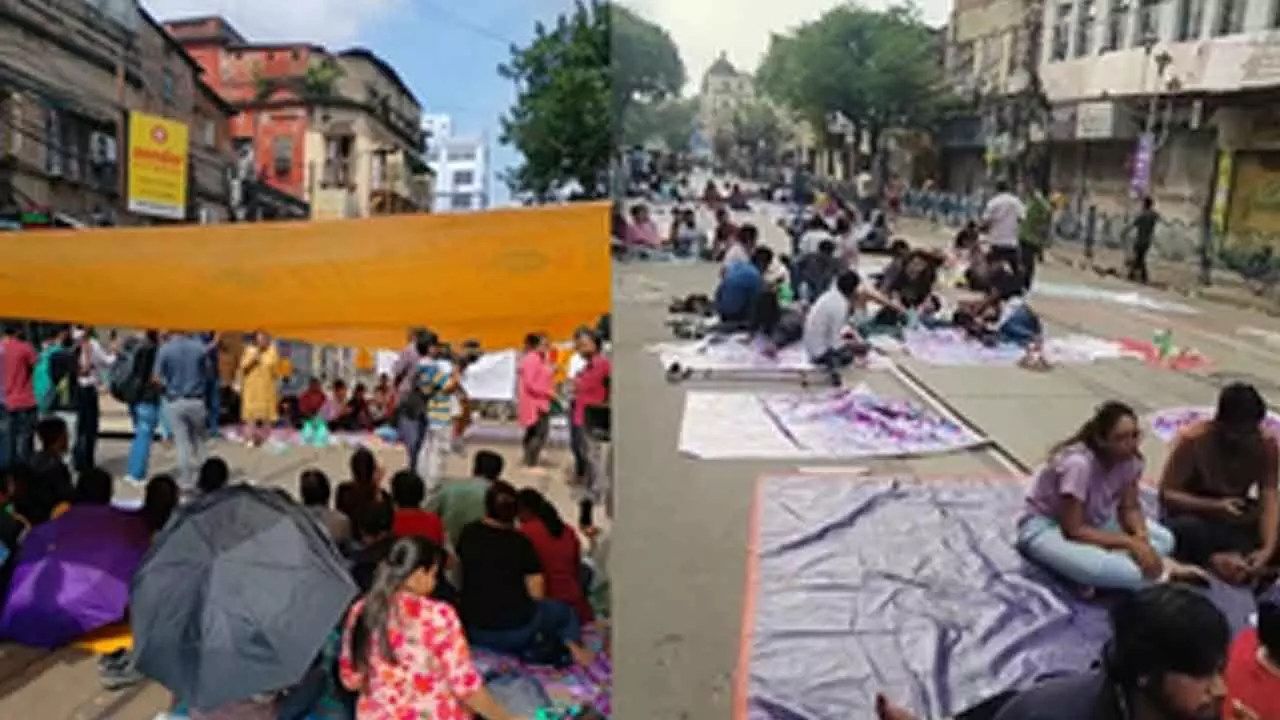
(815, 233)
(864, 184)
(1000, 220)
(826, 335)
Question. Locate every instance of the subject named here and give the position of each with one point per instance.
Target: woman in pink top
(1083, 519)
(405, 654)
(643, 231)
(590, 388)
(535, 388)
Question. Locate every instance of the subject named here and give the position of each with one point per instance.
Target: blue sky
(446, 51)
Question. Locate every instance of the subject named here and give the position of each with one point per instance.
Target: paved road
(680, 555)
(65, 684)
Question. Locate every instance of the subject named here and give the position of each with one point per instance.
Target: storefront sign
(158, 166)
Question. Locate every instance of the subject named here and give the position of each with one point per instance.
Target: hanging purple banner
(1140, 182)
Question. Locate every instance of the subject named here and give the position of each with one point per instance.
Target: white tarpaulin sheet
(492, 378)
(740, 356)
(1070, 291)
(833, 425)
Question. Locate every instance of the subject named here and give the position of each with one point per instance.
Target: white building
(461, 164)
(1202, 75)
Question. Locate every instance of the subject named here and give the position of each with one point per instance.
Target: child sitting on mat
(1002, 315)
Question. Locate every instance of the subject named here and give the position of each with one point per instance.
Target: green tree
(759, 134)
(645, 65)
(561, 122)
(878, 69)
(670, 123)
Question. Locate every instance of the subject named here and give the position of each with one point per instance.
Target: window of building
(1117, 23)
(1084, 28)
(1190, 20)
(462, 202)
(1147, 29)
(168, 85)
(337, 160)
(1230, 20)
(282, 155)
(463, 178)
(461, 155)
(1061, 32)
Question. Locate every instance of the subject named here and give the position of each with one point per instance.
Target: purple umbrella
(72, 575)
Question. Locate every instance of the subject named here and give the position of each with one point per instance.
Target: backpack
(125, 380)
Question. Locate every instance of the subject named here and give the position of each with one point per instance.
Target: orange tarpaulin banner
(491, 276)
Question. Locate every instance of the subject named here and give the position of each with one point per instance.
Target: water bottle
(1162, 341)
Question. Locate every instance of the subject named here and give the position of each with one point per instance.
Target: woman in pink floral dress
(405, 654)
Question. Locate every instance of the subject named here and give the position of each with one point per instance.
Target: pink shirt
(535, 386)
(590, 387)
(1076, 472)
(17, 364)
(645, 233)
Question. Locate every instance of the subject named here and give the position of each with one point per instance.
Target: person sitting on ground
(1083, 519)
(94, 486)
(911, 289)
(816, 271)
(407, 492)
(48, 483)
(214, 475)
(504, 603)
(875, 232)
(383, 404)
(312, 400)
(642, 232)
(1003, 315)
(316, 492)
(355, 496)
(1253, 668)
(12, 529)
(1218, 489)
(460, 502)
(355, 415)
(815, 233)
(1164, 662)
(687, 240)
(827, 337)
(159, 500)
(899, 254)
(737, 199)
(336, 402)
(404, 653)
(740, 289)
(740, 248)
(559, 551)
(374, 542)
(725, 233)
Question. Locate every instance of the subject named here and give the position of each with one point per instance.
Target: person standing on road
(1001, 220)
(535, 389)
(1143, 228)
(864, 184)
(144, 406)
(17, 371)
(92, 362)
(1032, 236)
(260, 394)
(181, 368)
(409, 411)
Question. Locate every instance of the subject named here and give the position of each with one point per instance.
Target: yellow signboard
(158, 166)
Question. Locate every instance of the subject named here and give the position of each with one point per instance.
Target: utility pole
(1030, 104)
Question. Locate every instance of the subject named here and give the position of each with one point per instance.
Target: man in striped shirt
(436, 381)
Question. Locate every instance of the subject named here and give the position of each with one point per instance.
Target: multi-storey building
(69, 73)
(1174, 99)
(724, 90)
(340, 130)
(461, 165)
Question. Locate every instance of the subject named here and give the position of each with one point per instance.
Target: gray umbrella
(236, 597)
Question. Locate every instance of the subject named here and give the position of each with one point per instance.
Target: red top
(1249, 682)
(413, 522)
(17, 364)
(590, 387)
(561, 559)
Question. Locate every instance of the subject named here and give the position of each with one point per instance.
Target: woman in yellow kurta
(259, 388)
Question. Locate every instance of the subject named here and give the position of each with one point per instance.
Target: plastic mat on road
(863, 585)
(952, 348)
(386, 437)
(1166, 423)
(833, 425)
(738, 355)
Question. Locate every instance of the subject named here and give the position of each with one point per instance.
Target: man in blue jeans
(144, 411)
(182, 366)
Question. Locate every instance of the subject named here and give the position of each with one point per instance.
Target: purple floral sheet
(1168, 422)
(576, 686)
(385, 437)
(906, 587)
(837, 424)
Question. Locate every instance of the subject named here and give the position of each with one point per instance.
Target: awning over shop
(492, 276)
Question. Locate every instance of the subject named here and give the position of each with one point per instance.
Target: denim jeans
(551, 618)
(19, 435)
(1022, 327)
(213, 403)
(411, 432)
(1041, 541)
(145, 417)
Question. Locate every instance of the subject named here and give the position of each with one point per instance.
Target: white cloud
(702, 29)
(324, 22)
